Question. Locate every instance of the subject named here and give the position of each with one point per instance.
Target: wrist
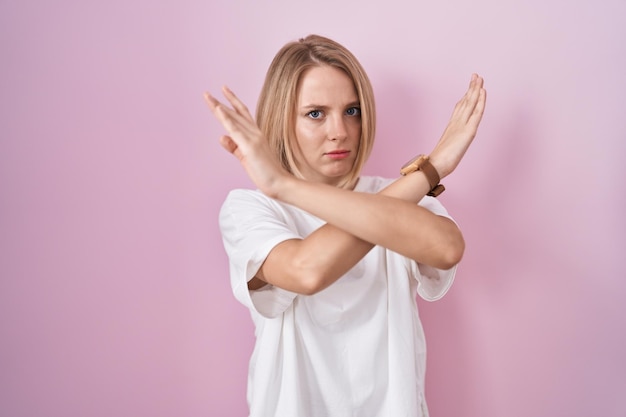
(284, 187)
(422, 163)
(439, 164)
(408, 187)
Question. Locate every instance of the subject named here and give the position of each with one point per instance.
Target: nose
(337, 128)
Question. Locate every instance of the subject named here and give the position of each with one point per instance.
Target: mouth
(338, 154)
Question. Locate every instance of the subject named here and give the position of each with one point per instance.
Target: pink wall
(114, 295)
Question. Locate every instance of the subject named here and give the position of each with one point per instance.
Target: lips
(338, 154)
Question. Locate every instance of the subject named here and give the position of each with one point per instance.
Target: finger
(216, 106)
(466, 106)
(476, 80)
(475, 85)
(238, 105)
(479, 110)
(471, 87)
(219, 110)
(228, 144)
(211, 101)
(230, 119)
(480, 105)
(480, 96)
(480, 81)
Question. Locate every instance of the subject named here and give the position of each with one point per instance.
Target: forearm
(315, 262)
(393, 223)
(357, 221)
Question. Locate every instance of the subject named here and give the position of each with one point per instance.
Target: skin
(328, 125)
(355, 221)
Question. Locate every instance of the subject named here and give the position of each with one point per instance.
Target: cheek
(356, 128)
(303, 142)
(306, 134)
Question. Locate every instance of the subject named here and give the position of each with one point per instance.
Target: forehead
(326, 85)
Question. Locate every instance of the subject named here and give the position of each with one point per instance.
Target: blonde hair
(276, 108)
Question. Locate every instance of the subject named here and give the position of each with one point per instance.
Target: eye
(353, 111)
(314, 114)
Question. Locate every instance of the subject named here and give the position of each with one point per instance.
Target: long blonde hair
(276, 108)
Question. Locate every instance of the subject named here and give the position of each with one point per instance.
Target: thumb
(228, 144)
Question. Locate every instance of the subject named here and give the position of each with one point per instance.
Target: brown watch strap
(422, 163)
(433, 177)
(439, 188)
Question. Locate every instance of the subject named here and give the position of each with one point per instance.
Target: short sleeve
(433, 283)
(252, 225)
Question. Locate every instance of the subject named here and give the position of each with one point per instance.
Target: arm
(312, 264)
(356, 221)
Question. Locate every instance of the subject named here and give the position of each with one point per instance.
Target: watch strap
(438, 189)
(432, 175)
(422, 163)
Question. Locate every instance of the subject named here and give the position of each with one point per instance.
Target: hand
(246, 141)
(461, 129)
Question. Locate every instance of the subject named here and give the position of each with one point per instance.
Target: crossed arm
(355, 221)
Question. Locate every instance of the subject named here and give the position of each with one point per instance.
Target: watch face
(411, 161)
(411, 166)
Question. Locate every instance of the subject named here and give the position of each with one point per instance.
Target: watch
(421, 163)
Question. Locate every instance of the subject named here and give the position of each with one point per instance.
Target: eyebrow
(322, 107)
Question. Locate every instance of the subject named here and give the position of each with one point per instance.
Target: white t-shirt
(356, 348)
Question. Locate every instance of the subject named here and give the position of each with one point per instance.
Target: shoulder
(243, 197)
(252, 208)
(242, 200)
(243, 203)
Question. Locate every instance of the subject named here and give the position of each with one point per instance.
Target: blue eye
(353, 111)
(314, 114)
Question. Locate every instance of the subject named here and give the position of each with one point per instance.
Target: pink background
(114, 293)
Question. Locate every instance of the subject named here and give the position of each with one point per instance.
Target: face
(328, 125)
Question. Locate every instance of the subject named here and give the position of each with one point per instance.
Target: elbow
(298, 271)
(308, 278)
(309, 290)
(451, 254)
(310, 283)
(448, 246)
(451, 258)
(302, 278)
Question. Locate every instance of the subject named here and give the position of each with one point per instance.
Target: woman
(329, 262)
